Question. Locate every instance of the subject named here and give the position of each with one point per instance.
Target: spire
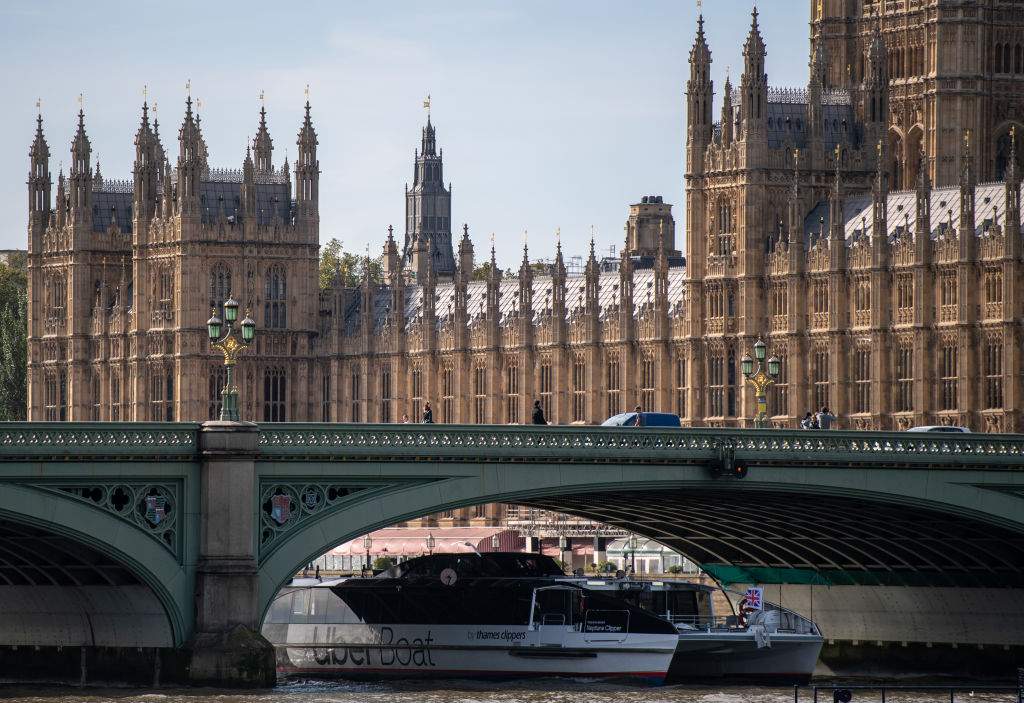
(80, 149)
(189, 162)
(525, 285)
(1012, 195)
(465, 253)
(146, 171)
(727, 113)
(307, 170)
(699, 96)
(263, 145)
(248, 190)
(967, 190)
(592, 275)
(428, 145)
(39, 151)
(923, 198)
(753, 84)
(38, 187)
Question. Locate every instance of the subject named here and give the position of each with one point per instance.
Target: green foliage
(481, 272)
(674, 569)
(605, 567)
(13, 341)
(339, 267)
(382, 563)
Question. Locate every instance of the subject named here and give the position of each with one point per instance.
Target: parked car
(643, 420)
(938, 428)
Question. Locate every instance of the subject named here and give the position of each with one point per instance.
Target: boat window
(554, 605)
(280, 609)
(318, 605)
(339, 612)
(299, 600)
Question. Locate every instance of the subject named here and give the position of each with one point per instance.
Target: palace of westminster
(867, 227)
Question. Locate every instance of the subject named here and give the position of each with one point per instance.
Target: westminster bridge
(173, 538)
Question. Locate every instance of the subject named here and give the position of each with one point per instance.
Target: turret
(420, 258)
(62, 205)
(754, 85)
(558, 282)
(661, 273)
(923, 210)
(190, 163)
(38, 188)
(699, 97)
(875, 90)
(247, 196)
(428, 145)
(1012, 191)
(80, 180)
(262, 145)
(146, 172)
(466, 253)
(391, 260)
(626, 296)
(493, 289)
(592, 276)
(968, 182)
(815, 87)
(837, 220)
(879, 203)
(307, 173)
(525, 287)
(727, 114)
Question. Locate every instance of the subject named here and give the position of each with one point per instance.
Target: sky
(553, 115)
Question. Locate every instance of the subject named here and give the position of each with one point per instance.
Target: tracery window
(416, 383)
(993, 294)
(356, 395)
(275, 307)
(862, 381)
(161, 396)
(993, 370)
(820, 377)
(448, 393)
(947, 297)
(165, 289)
(681, 386)
(512, 388)
(480, 392)
(779, 391)
(545, 387)
(325, 398)
(904, 378)
(115, 399)
(862, 303)
(579, 388)
(730, 380)
(949, 371)
(220, 287)
(723, 229)
(55, 396)
(904, 298)
(612, 383)
(275, 397)
(385, 395)
(716, 385)
(647, 382)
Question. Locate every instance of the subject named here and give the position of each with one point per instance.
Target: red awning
(412, 541)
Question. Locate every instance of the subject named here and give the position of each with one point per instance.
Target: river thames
(541, 691)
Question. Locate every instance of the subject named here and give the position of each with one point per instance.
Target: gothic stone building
(894, 307)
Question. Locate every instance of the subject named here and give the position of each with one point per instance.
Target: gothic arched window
(274, 299)
(274, 395)
(220, 286)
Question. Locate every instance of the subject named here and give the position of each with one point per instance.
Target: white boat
(753, 642)
(496, 615)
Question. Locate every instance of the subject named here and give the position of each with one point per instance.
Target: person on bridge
(538, 414)
(428, 414)
(825, 419)
(808, 422)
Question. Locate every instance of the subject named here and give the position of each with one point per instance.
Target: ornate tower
(699, 97)
(753, 85)
(428, 209)
(146, 172)
(80, 185)
(38, 189)
(190, 160)
(307, 176)
(262, 145)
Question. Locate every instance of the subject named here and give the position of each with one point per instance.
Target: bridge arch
(102, 556)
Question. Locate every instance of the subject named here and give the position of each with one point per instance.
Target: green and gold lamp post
(230, 345)
(761, 378)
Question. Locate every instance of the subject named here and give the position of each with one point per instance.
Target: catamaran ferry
(495, 615)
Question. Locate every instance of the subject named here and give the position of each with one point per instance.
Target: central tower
(428, 210)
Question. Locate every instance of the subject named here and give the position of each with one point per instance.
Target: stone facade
(893, 307)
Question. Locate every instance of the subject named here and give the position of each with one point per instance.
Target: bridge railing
(584, 442)
(520, 442)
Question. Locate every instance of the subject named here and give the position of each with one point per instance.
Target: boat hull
(717, 656)
(360, 651)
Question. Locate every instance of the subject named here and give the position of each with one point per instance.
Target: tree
(340, 267)
(13, 342)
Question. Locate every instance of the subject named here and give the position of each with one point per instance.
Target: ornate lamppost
(230, 345)
(367, 543)
(563, 544)
(632, 553)
(495, 542)
(430, 543)
(761, 378)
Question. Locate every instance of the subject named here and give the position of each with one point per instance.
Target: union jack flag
(755, 597)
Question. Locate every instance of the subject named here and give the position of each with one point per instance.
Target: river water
(540, 691)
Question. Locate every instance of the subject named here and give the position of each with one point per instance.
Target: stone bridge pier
(227, 647)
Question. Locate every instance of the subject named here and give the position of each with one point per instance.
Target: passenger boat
(753, 642)
(493, 615)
